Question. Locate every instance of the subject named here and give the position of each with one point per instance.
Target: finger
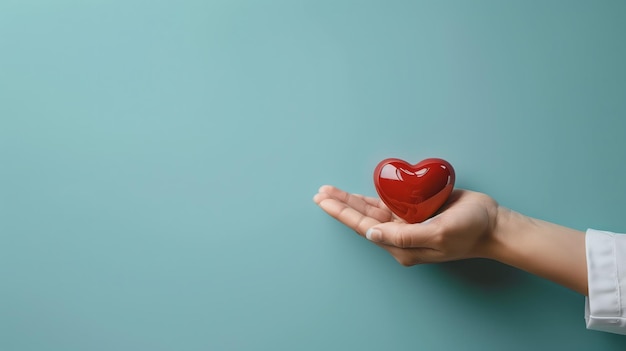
(367, 206)
(320, 196)
(375, 202)
(370, 207)
(346, 196)
(402, 235)
(348, 215)
(340, 195)
(372, 201)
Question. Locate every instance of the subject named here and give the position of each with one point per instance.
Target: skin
(469, 225)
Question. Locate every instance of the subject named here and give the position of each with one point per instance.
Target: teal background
(158, 160)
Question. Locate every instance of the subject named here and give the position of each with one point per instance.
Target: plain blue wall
(158, 159)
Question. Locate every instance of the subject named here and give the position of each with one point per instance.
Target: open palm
(461, 229)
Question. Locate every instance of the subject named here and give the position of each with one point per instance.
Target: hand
(468, 225)
(463, 228)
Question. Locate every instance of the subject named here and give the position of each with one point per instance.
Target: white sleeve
(605, 307)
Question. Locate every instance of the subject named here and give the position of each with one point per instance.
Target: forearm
(545, 249)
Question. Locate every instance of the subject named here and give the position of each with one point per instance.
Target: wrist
(504, 229)
(507, 235)
(545, 249)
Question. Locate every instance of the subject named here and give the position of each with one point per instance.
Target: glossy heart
(414, 192)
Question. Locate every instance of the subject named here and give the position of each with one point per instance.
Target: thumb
(401, 235)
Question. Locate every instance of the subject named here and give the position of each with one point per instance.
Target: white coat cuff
(606, 273)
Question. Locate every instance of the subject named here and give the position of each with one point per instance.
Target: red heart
(414, 192)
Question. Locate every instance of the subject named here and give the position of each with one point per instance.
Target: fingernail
(373, 234)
